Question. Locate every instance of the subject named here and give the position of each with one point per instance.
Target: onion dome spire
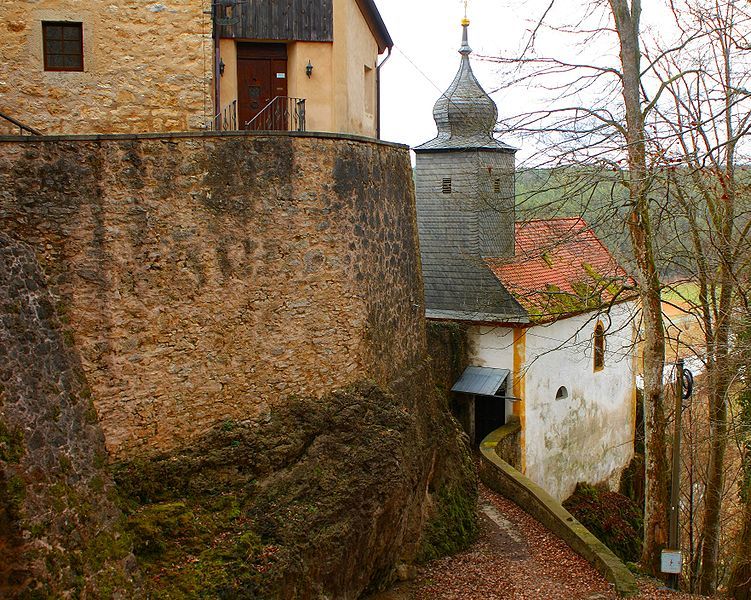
(464, 114)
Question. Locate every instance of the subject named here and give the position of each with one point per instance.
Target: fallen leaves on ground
(517, 558)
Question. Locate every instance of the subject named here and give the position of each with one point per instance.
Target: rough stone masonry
(146, 66)
(206, 278)
(58, 523)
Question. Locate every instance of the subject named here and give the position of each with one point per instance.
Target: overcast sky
(427, 35)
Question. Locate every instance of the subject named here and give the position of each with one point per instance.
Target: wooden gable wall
(298, 20)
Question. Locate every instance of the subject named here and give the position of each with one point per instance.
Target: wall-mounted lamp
(221, 67)
(309, 69)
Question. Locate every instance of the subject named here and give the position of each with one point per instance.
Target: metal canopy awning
(483, 381)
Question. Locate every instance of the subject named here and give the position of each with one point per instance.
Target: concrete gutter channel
(501, 477)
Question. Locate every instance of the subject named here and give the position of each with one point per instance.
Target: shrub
(612, 517)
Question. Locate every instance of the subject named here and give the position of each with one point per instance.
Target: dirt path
(514, 557)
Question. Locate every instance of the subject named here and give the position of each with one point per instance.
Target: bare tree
(739, 585)
(667, 123)
(626, 16)
(604, 142)
(698, 133)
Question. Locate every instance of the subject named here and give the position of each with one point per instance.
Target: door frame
(274, 52)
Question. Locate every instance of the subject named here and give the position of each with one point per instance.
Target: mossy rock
(454, 527)
(154, 525)
(11, 444)
(315, 501)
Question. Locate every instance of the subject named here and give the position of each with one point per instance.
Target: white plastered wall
(587, 436)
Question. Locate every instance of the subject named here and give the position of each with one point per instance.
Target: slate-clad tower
(464, 180)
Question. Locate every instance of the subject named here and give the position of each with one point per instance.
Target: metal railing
(225, 120)
(283, 113)
(22, 129)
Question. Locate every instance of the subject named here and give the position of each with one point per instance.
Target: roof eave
(492, 320)
(509, 150)
(576, 313)
(376, 24)
(477, 318)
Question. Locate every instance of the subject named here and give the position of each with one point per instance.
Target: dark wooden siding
(298, 20)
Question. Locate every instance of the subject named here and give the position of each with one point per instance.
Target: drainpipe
(217, 59)
(378, 92)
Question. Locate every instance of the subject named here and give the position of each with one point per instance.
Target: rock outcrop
(59, 529)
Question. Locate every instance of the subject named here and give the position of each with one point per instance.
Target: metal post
(674, 533)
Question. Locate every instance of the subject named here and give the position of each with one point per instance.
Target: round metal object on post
(687, 384)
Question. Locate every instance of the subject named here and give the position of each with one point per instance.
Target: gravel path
(514, 557)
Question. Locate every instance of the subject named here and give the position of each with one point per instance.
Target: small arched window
(562, 393)
(599, 346)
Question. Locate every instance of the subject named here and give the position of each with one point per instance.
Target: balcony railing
(225, 120)
(283, 113)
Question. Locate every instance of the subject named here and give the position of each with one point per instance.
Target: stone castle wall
(147, 66)
(208, 278)
(56, 507)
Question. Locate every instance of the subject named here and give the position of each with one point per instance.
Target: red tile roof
(560, 268)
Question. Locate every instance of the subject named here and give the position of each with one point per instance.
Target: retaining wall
(206, 278)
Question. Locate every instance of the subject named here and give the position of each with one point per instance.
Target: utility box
(672, 562)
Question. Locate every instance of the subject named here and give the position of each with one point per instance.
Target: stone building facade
(150, 66)
(146, 66)
(206, 278)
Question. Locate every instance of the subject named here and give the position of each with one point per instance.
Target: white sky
(427, 35)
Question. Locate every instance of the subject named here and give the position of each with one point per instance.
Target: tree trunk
(626, 18)
(740, 576)
(719, 384)
(719, 375)
(657, 504)
(739, 587)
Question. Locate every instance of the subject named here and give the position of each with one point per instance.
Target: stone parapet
(498, 475)
(507, 442)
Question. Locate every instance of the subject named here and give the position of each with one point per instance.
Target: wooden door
(261, 77)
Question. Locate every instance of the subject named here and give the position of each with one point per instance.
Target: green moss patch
(454, 527)
(11, 444)
(201, 549)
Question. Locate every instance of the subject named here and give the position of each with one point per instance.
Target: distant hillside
(603, 202)
(549, 193)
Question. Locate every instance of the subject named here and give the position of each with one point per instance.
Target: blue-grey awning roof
(484, 381)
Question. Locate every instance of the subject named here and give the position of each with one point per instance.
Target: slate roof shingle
(465, 114)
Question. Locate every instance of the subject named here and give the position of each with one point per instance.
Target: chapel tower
(464, 183)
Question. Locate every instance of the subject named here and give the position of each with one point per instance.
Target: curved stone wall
(207, 278)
